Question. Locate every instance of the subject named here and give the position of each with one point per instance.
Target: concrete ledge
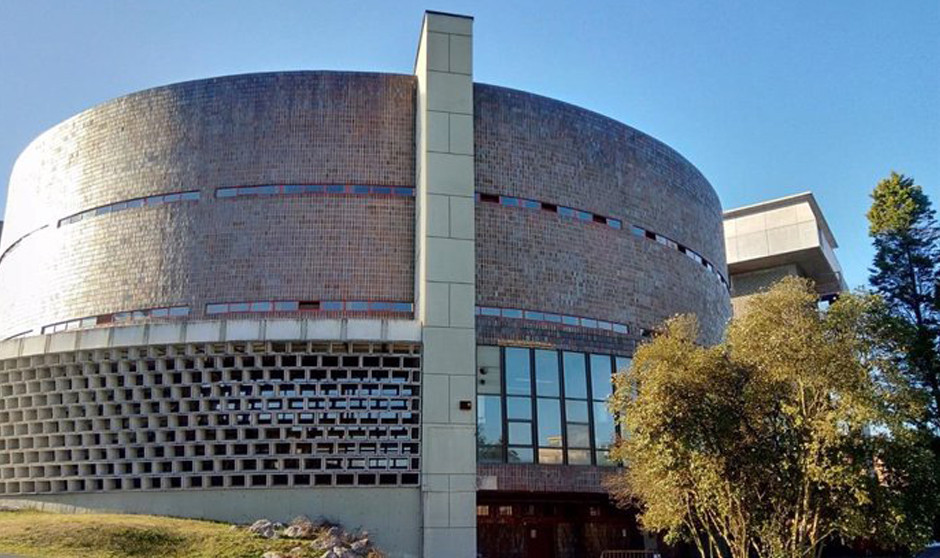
(213, 332)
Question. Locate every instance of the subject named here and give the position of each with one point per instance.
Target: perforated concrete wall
(210, 415)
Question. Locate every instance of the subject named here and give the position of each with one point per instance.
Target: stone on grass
(301, 528)
(263, 528)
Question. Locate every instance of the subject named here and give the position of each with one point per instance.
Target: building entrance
(529, 525)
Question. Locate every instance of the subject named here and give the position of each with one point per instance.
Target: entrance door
(540, 541)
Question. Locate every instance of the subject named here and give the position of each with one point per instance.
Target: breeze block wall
(302, 128)
(542, 150)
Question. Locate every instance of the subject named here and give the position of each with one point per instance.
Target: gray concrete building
(396, 301)
(786, 236)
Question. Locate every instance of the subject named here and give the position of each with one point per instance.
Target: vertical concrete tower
(445, 291)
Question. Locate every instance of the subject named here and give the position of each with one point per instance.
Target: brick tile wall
(542, 478)
(301, 127)
(537, 148)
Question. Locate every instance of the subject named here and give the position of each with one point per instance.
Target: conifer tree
(906, 273)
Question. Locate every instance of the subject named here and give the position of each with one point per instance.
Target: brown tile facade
(537, 148)
(323, 127)
(346, 128)
(542, 478)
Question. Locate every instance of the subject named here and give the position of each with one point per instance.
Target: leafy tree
(790, 434)
(906, 273)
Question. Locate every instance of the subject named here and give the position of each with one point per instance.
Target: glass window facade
(552, 410)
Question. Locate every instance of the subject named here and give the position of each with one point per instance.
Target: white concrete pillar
(445, 283)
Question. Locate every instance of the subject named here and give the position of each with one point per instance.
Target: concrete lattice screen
(214, 415)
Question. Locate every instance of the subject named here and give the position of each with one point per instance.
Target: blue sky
(766, 99)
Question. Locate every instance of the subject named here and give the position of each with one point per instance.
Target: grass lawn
(32, 533)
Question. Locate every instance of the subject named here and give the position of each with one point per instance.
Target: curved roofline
(614, 120)
(192, 81)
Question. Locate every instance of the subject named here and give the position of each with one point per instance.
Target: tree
(791, 433)
(906, 273)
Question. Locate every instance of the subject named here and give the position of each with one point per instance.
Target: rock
(296, 552)
(360, 546)
(340, 552)
(293, 532)
(331, 539)
(301, 528)
(273, 554)
(263, 528)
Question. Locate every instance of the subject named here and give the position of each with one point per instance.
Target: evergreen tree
(906, 273)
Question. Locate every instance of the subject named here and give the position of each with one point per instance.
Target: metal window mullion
(532, 400)
(613, 369)
(616, 416)
(590, 406)
(561, 402)
(504, 419)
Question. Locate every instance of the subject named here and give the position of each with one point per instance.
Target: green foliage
(791, 433)
(906, 273)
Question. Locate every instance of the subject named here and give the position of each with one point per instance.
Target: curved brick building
(344, 294)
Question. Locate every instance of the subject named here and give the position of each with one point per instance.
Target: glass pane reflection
(520, 433)
(550, 456)
(490, 454)
(578, 436)
(600, 377)
(520, 455)
(575, 376)
(519, 408)
(540, 424)
(576, 411)
(518, 373)
(549, 413)
(603, 426)
(546, 373)
(579, 457)
(489, 420)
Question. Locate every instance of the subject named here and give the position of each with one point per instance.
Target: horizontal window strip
(18, 335)
(194, 195)
(135, 203)
(586, 216)
(569, 212)
(19, 241)
(313, 189)
(352, 306)
(118, 317)
(551, 318)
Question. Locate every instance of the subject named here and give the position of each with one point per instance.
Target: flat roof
(784, 202)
